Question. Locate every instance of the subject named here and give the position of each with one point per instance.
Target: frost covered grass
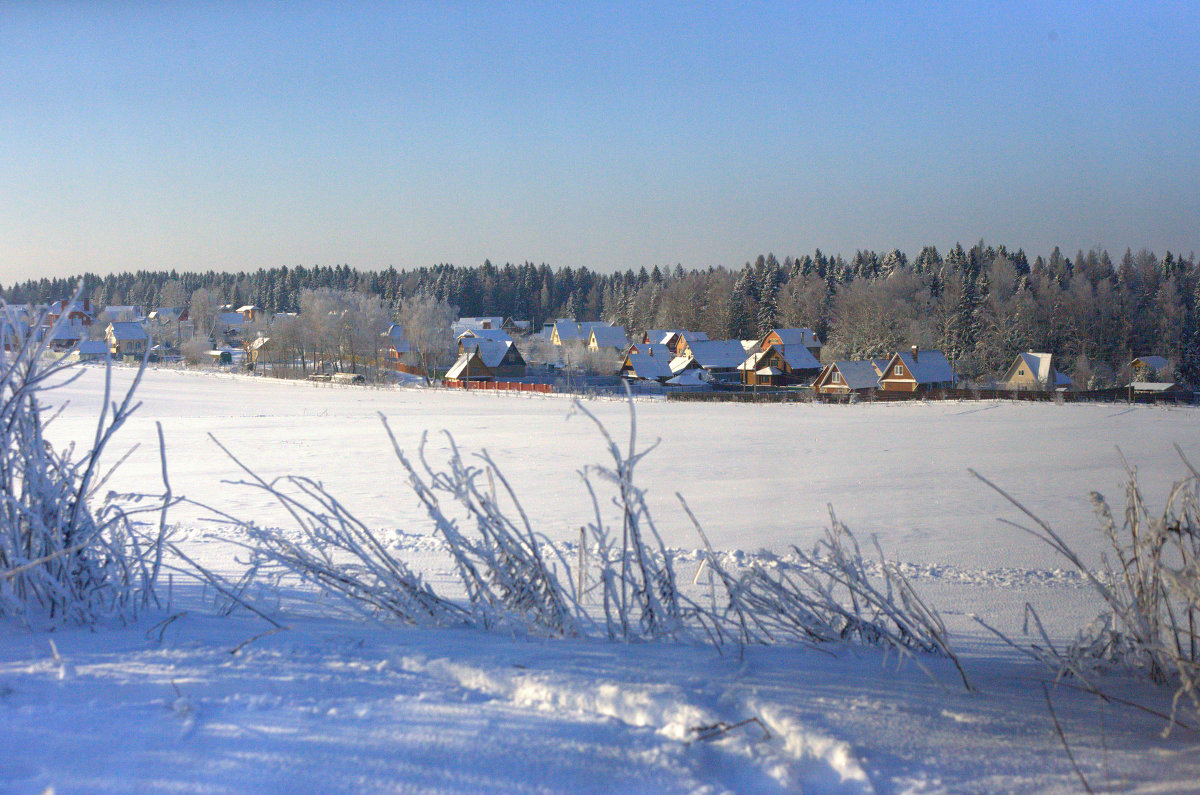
(515, 578)
(1149, 584)
(66, 552)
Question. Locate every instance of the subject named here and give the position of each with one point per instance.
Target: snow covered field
(332, 704)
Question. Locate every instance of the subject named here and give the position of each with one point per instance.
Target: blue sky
(242, 135)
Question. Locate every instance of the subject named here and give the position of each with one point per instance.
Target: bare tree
(427, 323)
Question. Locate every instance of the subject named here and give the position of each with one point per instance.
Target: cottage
(843, 377)
(793, 338)
(489, 334)
(501, 358)
(608, 338)
(481, 323)
(126, 339)
(1151, 368)
(253, 314)
(652, 349)
(645, 367)
(566, 332)
(714, 356)
(917, 371)
(469, 367)
(779, 366)
(1034, 371)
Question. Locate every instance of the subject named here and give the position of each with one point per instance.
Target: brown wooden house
(844, 377)
(917, 371)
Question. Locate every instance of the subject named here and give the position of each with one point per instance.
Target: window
(899, 370)
(837, 378)
(1020, 372)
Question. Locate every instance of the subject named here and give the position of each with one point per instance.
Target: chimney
(915, 353)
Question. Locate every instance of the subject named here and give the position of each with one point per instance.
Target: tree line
(981, 305)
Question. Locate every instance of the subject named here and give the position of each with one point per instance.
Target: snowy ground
(333, 704)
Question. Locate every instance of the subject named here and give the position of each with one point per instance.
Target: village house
(717, 357)
(779, 366)
(253, 314)
(607, 338)
(917, 371)
(652, 349)
(1151, 368)
(791, 338)
(126, 339)
(1033, 371)
(566, 332)
(645, 367)
(844, 377)
(490, 334)
(469, 367)
(500, 357)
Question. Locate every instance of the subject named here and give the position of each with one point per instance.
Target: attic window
(899, 370)
(1020, 372)
(837, 378)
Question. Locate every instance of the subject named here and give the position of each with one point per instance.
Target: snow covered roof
(609, 337)
(93, 347)
(395, 332)
(479, 322)
(929, 367)
(493, 334)
(681, 363)
(230, 318)
(491, 352)
(650, 367)
(127, 331)
(1153, 362)
(797, 336)
(799, 357)
(572, 331)
(1150, 386)
(769, 371)
(461, 369)
(860, 375)
(689, 378)
(717, 354)
(652, 349)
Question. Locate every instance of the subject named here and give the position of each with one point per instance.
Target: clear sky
(237, 135)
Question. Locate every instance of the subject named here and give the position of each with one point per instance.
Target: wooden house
(126, 339)
(1151, 368)
(567, 332)
(607, 338)
(715, 356)
(844, 377)
(917, 371)
(501, 358)
(777, 366)
(1033, 372)
(645, 367)
(469, 367)
(92, 350)
(793, 338)
(253, 314)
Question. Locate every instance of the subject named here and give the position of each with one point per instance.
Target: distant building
(917, 371)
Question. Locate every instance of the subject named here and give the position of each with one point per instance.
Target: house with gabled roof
(645, 367)
(126, 338)
(1034, 371)
(609, 338)
(652, 349)
(715, 356)
(567, 332)
(489, 334)
(469, 367)
(501, 357)
(779, 366)
(91, 350)
(845, 376)
(1146, 368)
(917, 371)
(793, 338)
